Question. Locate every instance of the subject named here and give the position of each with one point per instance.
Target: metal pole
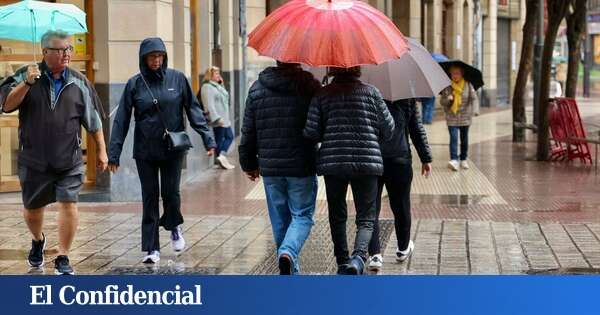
(537, 66)
(587, 66)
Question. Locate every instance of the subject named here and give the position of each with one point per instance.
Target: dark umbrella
(472, 74)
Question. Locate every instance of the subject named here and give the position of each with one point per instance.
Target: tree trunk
(557, 10)
(525, 65)
(576, 32)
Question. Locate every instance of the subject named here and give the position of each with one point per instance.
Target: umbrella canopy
(472, 74)
(340, 33)
(28, 20)
(439, 57)
(414, 75)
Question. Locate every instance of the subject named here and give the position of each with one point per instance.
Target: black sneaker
(356, 266)
(36, 253)
(62, 266)
(285, 265)
(342, 269)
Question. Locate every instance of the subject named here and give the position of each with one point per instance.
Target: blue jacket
(174, 95)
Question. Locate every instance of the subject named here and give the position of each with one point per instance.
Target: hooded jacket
(175, 97)
(275, 114)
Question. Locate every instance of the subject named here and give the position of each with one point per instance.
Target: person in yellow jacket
(460, 103)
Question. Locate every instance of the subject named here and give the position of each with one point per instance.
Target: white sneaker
(152, 258)
(464, 164)
(177, 240)
(402, 255)
(224, 163)
(453, 165)
(375, 262)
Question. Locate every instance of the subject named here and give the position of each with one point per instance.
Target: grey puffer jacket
(350, 119)
(468, 108)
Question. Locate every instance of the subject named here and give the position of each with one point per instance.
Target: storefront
(15, 54)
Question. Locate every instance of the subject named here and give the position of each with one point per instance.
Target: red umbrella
(340, 33)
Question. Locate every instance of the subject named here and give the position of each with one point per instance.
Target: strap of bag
(155, 102)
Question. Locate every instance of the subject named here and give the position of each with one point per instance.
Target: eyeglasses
(61, 51)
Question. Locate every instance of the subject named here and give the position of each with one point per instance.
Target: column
(489, 55)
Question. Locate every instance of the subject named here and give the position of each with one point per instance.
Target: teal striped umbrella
(28, 20)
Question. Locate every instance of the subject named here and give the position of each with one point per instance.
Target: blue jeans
(427, 106)
(291, 202)
(224, 138)
(464, 142)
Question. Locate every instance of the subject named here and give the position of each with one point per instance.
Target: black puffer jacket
(276, 110)
(350, 119)
(408, 123)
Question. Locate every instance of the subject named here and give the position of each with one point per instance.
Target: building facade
(202, 33)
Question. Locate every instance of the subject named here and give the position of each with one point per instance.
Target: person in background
(460, 103)
(272, 145)
(350, 120)
(157, 86)
(397, 177)
(215, 98)
(427, 108)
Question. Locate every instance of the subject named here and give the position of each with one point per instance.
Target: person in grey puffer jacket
(350, 120)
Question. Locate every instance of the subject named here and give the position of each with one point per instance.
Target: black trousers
(397, 179)
(364, 190)
(170, 175)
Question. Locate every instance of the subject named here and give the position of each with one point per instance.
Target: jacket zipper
(59, 93)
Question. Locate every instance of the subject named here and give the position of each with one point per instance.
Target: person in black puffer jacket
(398, 174)
(272, 145)
(350, 119)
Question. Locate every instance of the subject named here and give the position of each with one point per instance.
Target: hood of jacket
(288, 80)
(148, 45)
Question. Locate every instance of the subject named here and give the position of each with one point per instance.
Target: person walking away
(216, 99)
(397, 177)
(460, 103)
(427, 108)
(158, 96)
(272, 145)
(54, 101)
(349, 119)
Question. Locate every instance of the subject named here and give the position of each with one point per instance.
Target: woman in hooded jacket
(158, 97)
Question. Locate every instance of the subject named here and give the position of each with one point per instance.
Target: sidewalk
(506, 215)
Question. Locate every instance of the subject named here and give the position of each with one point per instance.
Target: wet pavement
(506, 215)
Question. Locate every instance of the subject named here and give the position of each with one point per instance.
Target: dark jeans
(364, 190)
(224, 138)
(464, 142)
(427, 107)
(170, 174)
(397, 179)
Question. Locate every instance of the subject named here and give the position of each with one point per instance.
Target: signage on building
(594, 28)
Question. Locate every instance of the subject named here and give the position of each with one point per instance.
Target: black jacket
(174, 95)
(276, 110)
(350, 119)
(408, 123)
(50, 122)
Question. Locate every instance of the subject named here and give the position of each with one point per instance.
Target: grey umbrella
(415, 75)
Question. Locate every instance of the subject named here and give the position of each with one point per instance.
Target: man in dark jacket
(397, 177)
(350, 119)
(54, 101)
(157, 96)
(272, 145)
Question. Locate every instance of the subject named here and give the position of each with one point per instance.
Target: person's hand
(426, 169)
(102, 160)
(210, 152)
(220, 122)
(450, 97)
(33, 73)
(113, 168)
(253, 175)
